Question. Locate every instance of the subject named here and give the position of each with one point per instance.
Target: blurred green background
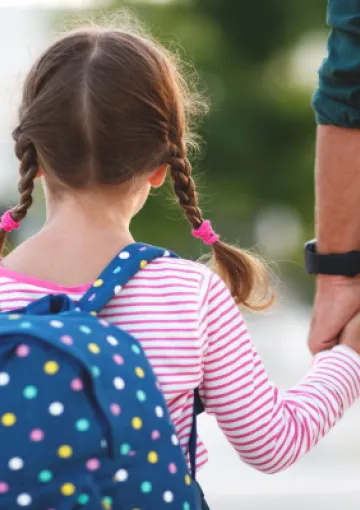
(257, 65)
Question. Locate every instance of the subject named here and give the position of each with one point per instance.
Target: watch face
(311, 246)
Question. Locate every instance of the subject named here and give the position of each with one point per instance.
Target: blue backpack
(83, 423)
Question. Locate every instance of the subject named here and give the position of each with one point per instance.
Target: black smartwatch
(342, 264)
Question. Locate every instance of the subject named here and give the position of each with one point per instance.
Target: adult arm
(337, 107)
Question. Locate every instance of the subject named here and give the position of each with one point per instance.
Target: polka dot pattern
(88, 394)
(56, 408)
(4, 379)
(4, 487)
(121, 475)
(8, 419)
(24, 499)
(67, 489)
(51, 368)
(65, 451)
(93, 464)
(23, 351)
(45, 476)
(83, 499)
(30, 392)
(82, 425)
(16, 463)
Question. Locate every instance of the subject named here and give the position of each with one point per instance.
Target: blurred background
(257, 63)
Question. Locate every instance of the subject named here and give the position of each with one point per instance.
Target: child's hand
(350, 335)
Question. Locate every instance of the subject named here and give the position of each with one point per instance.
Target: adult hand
(350, 335)
(337, 300)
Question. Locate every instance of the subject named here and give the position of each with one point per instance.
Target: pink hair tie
(8, 223)
(206, 233)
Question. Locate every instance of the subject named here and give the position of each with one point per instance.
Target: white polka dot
(159, 411)
(166, 253)
(174, 440)
(117, 290)
(56, 324)
(121, 475)
(24, 499)
(16, 463)
(112, 340)
(56, 408)
(124, 255)
(119, 383)
(168, 497)
(4, 378)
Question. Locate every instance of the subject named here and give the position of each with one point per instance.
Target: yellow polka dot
(51, 368)
(14, 316)
(187, 480)
(68, 489)
(65, 451)
(153, 457)
(98, 283)
(93, 313)
(136, 423)
(8, 419)
(94, 348)
(106, 505)
(143, 263)
(140, 372)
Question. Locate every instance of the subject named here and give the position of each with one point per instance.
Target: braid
(26, 153)
(184, 186)
(245, 275)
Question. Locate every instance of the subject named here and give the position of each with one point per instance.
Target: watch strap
(342, 264)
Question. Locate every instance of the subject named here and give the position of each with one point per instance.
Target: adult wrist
(338, 264)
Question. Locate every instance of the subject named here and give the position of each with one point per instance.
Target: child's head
(103, 107)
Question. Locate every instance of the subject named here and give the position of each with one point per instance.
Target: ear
(157, 178)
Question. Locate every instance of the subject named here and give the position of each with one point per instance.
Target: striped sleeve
(270, 430)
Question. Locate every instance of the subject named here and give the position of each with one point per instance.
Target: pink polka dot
(4, 487)
(36, 435)
(115, 409)
(104, 323)
(67, 340)
(132, 453)
(93, 464)
(76, 384)
(92, 297)
(155, 434)
(23, 351)
(119, 360)
(172, 468)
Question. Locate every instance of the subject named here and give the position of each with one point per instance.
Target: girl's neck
(74, 245)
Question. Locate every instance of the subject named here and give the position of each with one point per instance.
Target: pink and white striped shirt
(195, 336)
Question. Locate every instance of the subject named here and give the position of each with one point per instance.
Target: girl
(104, 117)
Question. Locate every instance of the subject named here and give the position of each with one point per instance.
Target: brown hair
(102, 105)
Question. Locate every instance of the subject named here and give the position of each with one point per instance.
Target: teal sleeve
(336, 101)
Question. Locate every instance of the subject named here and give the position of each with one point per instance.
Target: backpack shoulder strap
(120, 270)
(117, 274)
